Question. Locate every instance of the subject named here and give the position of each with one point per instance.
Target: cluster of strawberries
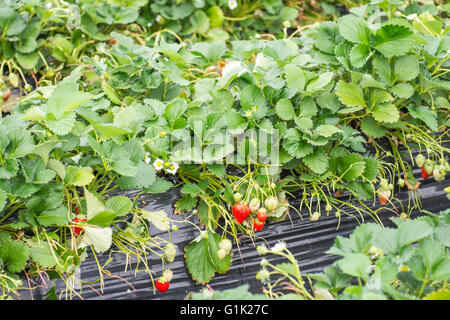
(243, 211)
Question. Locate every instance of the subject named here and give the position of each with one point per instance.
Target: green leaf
(119, 204)
(425, 114)
(43, 149)
(201, 258)
(354, 29)
(42, 254)
(385, 113)
(217, 169)
(27, 60)
(352, 166)
(371, 169)
(294, 145)
(320, 82)
(63, 125)
(35, 172)
(393, 40)
(350, 94)
(372, 129)
(285, 110)
(58, 167)
(21, 143)
(252, 96)
(144, 178)
(406, 68)
(317, 161)
(159, 186)
(93, 204)
(308, 107)
(9, 169)
(99, 238)
(191, 189)
(125, 167)
(103, 219)
(3, 198)
(54, 217)
(359, 55)
(78, 176)
(403, 90)
(383, 69)
(295, 77)
(111, 93)
(413, 230)
(14, 255)
(356, 265)
(158, 218)
(326, 130)
(66, 97)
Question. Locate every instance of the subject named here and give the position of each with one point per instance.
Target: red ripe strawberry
(425, 174)
(77, 210)
(257, 225)
(262, 216)
(383, 196)
(162, 284)
(6, 96)
(77, 230)
(241, 212)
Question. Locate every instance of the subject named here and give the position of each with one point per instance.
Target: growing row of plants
(408, 262)
(40, 40)
(240, 126)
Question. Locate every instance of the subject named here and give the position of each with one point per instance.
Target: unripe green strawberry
(168, 275)
(384, 184)
(221, 254)
(170, 251)
(401, 182)
(328, 207)
(439, 173)
(315, 216)
(254, 204)
(271, 203)
(429, 166)
(237, 196)
(225, 244)
(420, 160)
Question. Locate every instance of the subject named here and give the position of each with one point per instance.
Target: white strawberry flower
(232, 4)
(158, 164)
(147, 157)
(280, 246)
(173, 168)
(159, 19)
